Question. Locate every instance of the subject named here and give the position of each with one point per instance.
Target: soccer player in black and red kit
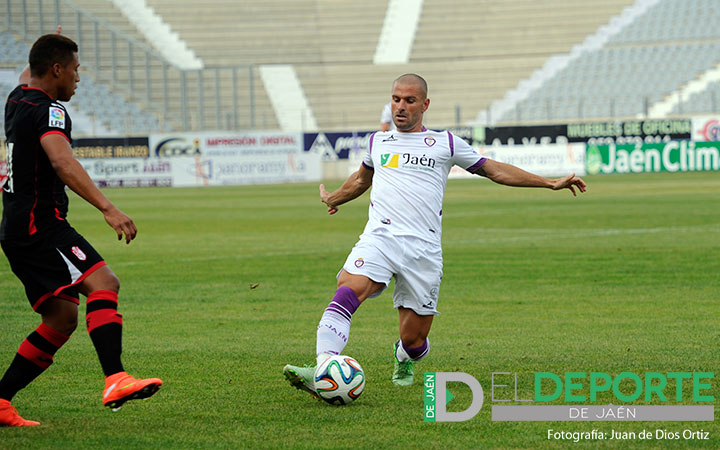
(53, 261)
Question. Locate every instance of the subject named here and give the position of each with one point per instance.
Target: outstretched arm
(72, 173)
(510, 175)
(354, 187)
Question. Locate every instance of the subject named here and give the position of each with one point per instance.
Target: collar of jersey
(25, 87)
(409, 132)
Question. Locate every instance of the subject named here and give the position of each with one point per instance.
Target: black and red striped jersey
(34, 199)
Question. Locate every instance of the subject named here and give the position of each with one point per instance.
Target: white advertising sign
(250, 169)
(210, 144)
(706, 128)
(128, 172)
(548, 160)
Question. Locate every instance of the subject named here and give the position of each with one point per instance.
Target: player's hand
(324, 196)
(59, 29)
(570, 182)
(122, 224)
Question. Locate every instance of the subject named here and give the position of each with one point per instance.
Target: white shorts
(416, 265)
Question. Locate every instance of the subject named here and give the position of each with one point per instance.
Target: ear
(56, 69)
(426, 104)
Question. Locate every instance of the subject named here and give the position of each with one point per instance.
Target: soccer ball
(339, 380)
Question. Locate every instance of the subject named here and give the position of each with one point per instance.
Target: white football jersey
(410, 175)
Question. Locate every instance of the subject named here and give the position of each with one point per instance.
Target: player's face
(408, 106)
(68, 78)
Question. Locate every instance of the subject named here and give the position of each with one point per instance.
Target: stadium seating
(12, 52)
(470, 52)
(705, 102)
(671, 44)
(106, 111)
(12, 55)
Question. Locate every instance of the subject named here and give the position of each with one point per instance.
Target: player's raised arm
(510, 175)
(354, 187)
(72, 173)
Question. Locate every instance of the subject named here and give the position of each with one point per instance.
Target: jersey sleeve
(464, 155)
(52, 118)
(367, 160)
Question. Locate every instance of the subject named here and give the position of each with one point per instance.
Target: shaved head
(411, 78)
(409, 102)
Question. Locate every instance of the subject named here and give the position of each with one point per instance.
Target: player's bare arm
(71, 172)
(354, 187)
(510, 175)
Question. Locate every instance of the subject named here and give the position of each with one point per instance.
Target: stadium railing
(220, 97)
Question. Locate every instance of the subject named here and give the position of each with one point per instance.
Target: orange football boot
(9, 416)
(121, 387)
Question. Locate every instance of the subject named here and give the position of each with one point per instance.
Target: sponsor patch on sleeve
(57, 117)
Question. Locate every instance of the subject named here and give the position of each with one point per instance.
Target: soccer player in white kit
(408, 169)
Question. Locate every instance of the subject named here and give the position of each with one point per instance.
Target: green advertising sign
(673, 156)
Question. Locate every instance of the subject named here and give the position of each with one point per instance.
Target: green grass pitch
(623, 278)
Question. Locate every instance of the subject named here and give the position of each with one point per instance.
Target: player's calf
(33, 357)
(104, 325)
(334, 328)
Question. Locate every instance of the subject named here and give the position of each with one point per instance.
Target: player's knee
(70, 325)
(102, 280)
(60, 315)
(361, 286)
(113, 283)
(65, 323)
(110, 283)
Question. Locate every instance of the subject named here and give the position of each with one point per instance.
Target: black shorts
(52, 266)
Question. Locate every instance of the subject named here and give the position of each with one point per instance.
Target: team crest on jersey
(389, 160)
(430, 141)
(78, 253)
(57, 117)
(359, 262)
